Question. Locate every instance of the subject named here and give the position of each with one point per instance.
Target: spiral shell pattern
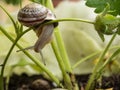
(32, 14)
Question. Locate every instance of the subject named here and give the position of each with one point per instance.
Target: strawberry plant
(107, 22)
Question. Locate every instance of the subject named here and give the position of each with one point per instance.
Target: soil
(38, 82)
(25, 82)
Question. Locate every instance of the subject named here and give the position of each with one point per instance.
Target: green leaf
(101, 36)
(99, 6)
(110, 19)
(100, 27)
(111, 23)
(106, 24)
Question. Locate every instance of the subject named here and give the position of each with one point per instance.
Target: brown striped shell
(34, 14)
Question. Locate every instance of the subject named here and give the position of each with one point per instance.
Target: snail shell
(32, 15)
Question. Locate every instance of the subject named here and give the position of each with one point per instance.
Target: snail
(33, 15)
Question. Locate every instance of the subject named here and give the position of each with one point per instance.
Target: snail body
(32, 15)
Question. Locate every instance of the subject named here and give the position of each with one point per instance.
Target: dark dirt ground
(37, 82)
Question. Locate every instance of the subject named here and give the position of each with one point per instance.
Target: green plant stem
(109, 60)
(61, 65)
(59, 38)
(12, 47)
(90, 56)
(93, 77)
(60, 43)
(6, 59)
(33, 59)
(84, 59)
(20, 3)
(49, 4)
(61, 55)
(62, 50)
(69, 19)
